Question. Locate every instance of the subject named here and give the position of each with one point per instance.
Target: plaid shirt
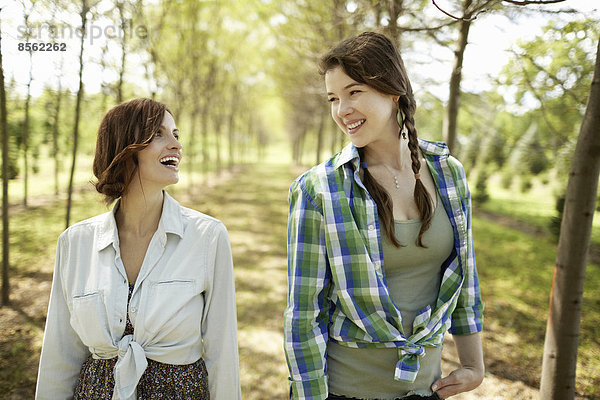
(337, 286)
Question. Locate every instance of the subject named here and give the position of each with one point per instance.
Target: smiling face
(158, 163)
(366, 115)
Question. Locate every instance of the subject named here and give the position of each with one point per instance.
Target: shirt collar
(170, 222)
(350, 152)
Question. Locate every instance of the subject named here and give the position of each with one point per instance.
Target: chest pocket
(89, 319)
(174, 308)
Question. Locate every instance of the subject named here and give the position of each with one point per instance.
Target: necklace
(394, 176)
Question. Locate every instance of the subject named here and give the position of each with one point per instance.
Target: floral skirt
(159, 381)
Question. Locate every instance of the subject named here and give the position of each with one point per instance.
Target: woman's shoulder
(199, 222)
(317, 178)
(433, 148)
(86, 227)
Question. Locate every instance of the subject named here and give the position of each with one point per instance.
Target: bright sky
(489, 38)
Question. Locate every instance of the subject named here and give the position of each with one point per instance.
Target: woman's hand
(460, 380)
(470, 375)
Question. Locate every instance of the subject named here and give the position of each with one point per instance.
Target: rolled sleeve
(467, 318)
(306, 315)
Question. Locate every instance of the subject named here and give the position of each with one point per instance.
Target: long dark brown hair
(125, 130)
(371, 59)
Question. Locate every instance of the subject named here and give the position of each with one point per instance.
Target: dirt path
(253, 205)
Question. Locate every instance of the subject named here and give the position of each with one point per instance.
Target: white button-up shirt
(182, 307)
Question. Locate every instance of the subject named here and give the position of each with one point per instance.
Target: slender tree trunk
(190, 154)
(120, 6)
(334, 134)
(204, 136)
(339, 22)
(156, 31)
(451, 116)
(26, 131)
(84, 10)
(55, 123)
(5, 178)
(218, 132)
(231, 127)
(395, 10)
(562, 332)
(320, 131)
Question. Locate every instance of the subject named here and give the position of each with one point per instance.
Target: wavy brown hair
(125, 130)
(372, 59)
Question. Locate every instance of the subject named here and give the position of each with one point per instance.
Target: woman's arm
(63, 353)
(472, 370)
(467, 317)
(306, 316)
(219, 325)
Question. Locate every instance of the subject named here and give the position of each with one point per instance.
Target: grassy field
(515, 272)
(535, 207)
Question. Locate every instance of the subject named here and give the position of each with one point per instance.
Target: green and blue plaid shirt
(337, 286)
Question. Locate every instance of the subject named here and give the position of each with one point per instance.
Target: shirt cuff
(466, 321)
(311, 389)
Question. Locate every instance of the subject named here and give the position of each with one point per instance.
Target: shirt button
(121, 320)
(371, 227)
(133, 309)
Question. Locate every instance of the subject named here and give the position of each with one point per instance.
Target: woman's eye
(176, 136)
(331, 99)
(355, 92)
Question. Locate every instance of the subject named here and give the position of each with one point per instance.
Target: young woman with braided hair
(380, 250)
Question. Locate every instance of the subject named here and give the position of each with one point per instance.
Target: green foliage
(556, 220)
(506, 179)
(470, 151)
(494, 150)
(429, 116)
(525, 184)
(528, 157)
(481, 194)
(550, 76)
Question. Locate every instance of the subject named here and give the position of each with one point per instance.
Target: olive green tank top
(413, 276)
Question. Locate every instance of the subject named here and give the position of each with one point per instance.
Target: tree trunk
(55, 123)
(191, 152)
(26, 130)
(231, 127)
(322, 119)
(120, 6)
(451, 115)
(204, 140)
(218, 125)
(84, 10)
(395, 10)
(5, 161)
(562, 331)
(339, 22)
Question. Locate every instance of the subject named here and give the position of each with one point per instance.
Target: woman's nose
(344, 108)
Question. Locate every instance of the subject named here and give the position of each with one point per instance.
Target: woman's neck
(393, 153)
(139, 212)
